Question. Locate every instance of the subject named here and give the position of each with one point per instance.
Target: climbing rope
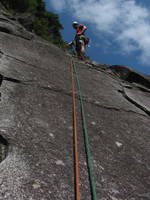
(86, 139)
(75, 136)
(85, 132)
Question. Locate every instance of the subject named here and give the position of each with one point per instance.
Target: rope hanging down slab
(86, 140)
(75, 136)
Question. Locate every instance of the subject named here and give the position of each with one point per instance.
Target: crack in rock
(63, 91)
(138, 105)
(12, 29)
(3, 148)
(20, 60)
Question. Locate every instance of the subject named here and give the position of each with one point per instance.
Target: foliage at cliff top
(46, 24)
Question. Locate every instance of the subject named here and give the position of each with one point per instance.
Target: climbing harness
(78, 45)
(86, 137)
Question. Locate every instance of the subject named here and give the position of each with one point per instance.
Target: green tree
(46, 24)
(16, 5)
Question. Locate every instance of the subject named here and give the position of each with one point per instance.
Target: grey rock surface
(26, 19)
(36, 121)
(10, 25)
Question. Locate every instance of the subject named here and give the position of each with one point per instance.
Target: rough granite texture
(36, 121)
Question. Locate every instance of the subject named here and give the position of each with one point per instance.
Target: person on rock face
(80, 41)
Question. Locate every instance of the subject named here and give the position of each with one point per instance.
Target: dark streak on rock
(3, 148)
(130, 75)
(5, 30)
(12, 80)
(1, 79)
(3, 140)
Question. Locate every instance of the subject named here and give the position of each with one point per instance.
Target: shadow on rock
(3, 148)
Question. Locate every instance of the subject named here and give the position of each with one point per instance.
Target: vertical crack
(3, 148)
(3, 141)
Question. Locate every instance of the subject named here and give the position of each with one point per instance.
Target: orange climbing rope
(75, 136)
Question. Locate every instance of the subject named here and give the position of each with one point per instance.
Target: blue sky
(119, 29)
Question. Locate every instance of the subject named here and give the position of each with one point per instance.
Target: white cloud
(58, 5)
(125, 21)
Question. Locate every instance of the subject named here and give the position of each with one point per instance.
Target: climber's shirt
(80, 29)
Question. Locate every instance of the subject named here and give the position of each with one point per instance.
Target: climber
(80, 41)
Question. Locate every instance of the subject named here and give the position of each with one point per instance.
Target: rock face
(36, 123)
(26, 20)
